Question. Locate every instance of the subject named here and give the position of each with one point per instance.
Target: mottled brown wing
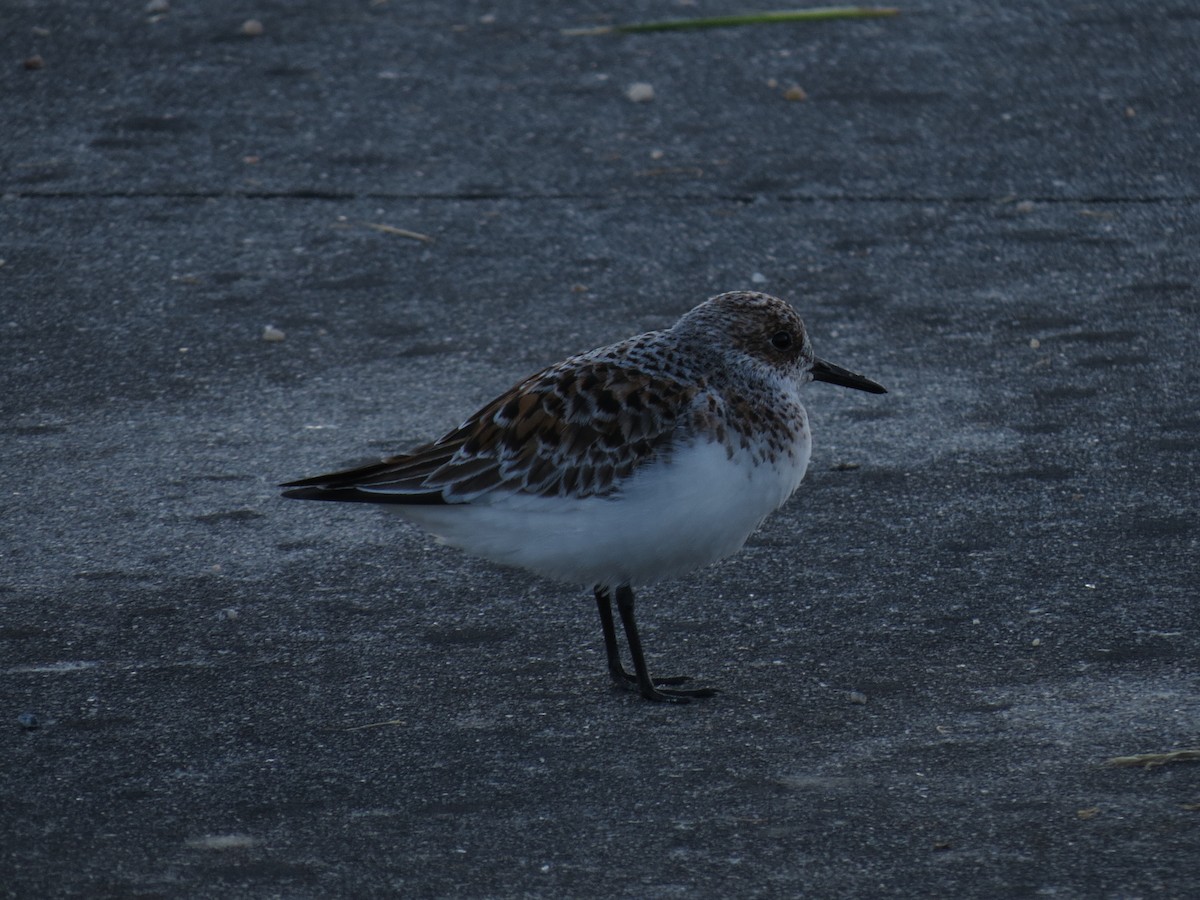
(574, 430)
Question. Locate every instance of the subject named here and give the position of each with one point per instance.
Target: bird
(635, 462)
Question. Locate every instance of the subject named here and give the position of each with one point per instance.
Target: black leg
(644, 682)
(622, 678)
(615, 669)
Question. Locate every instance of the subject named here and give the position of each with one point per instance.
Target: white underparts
(697, 506)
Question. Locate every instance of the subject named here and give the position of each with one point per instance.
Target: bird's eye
(781, 340)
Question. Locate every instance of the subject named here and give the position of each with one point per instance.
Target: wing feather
(577, 429)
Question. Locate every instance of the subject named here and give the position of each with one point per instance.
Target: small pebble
(34, 62)
(271, 333)
(858, 697)
(29, 721)
(252, 28)
(158, 6)
(640, 92)
(795, 93)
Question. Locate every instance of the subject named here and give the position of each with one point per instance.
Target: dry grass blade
(399, 232)
(1152, 760)
(816, 14)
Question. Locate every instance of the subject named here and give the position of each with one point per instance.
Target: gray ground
(991, 207)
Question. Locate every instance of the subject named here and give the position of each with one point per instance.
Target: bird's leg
(644, 682)
(615, 669)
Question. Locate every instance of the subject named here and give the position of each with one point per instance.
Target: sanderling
(635, 462)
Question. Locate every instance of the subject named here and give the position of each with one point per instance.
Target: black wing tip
(322, 487)
(342, 479)
(295, 490)
(347, 485)
(316, 489)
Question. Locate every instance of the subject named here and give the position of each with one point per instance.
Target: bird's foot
(629, 682)
(685, 696)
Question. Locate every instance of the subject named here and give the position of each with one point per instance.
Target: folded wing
(578, 429)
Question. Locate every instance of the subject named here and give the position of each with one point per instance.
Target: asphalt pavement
(242, 243)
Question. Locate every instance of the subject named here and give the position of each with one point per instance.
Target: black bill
(831, 374)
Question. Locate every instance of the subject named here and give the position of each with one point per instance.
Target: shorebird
(631, 463)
